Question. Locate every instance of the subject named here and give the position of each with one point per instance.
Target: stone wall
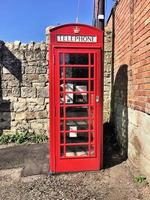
(130, 22)
(107, 72)
(23, 87)
(139, 140)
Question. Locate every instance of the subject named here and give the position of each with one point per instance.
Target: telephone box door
(78, 104)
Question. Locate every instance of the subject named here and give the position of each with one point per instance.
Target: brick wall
(130, 22)
(23, 87)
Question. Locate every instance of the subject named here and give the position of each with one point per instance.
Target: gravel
(115, 183)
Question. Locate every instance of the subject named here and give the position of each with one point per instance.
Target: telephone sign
(76, 98)
(71, 38)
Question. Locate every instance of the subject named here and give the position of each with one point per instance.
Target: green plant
(140, 179)
(23, 137)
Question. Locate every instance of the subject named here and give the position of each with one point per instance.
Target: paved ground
(24, 176)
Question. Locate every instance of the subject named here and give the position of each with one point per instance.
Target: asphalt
(33, 159)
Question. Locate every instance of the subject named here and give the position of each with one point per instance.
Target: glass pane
(81, 98)
(69, 98)
(76, 112)
(81, 86)
(76, 137)
(76, 151)
(92, 85)
(60, 58)
(61, 112)
(62, 151)
(92, 137)
(61, 72)
(74, 86)
(92, 59)
(69, 87)
(61, 125)
(91, 124)
(61, 86)
(92, 72)
(92, 112)
(92, 150)
(77, 72)
(76, 58)
(62, 138)
(79, 124)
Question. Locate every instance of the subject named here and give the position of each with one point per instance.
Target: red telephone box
(76, 98)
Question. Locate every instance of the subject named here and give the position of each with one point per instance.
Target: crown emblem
(76, 30)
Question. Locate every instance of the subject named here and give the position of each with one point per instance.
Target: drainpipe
(1, 56)
(100, 14)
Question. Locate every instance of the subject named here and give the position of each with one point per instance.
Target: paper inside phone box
(73, 134)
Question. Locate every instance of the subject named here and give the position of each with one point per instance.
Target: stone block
(37, 46)
(47, 108)
(40, 78)
(41, 69)
(14, 124)
(46, 126)
(20, 116)
(23, 46)
(42, 115)
(40, 131)
(13, 116)
(35, 125)
(29, 55)
(20, 106)
(17, 45)
(4, 85)
(9, 45)
(37, 101)
(28, 92)
(43, 46)
(16, 92)
(33, 63)
(32, 107)
(38, 85)
(47, 100)
(7, 93)
(42, 92)
(20, 55)
(31, 45)
(139, 139)
(26, 82)
(145, 166)
(30, 69)
(30, 115)
(5, 71)
(10, 79)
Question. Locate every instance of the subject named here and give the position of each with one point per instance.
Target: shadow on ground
(32, 158)
(112, 151)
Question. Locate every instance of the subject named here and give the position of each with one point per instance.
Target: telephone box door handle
(97, 99)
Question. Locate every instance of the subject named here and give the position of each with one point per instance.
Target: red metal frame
(90, 161)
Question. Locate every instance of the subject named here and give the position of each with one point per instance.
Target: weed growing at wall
(140, 180)
(23, 137)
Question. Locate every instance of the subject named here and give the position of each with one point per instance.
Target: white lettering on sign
(79, 38)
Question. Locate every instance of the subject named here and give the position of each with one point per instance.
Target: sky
(26, 20)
